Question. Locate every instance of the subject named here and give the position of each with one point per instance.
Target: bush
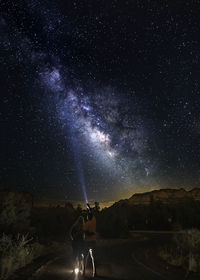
(15, 213)
(14, 254)
(184, 251)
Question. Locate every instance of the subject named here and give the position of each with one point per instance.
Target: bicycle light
(76, 270)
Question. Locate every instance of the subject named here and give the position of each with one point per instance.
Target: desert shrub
(173, 255)
(184, 250)
(14, 254)
(15, 213)
(190, 244)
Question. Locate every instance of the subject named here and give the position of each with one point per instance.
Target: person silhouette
(89, 229)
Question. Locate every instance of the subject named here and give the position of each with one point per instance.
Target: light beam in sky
(54, 81)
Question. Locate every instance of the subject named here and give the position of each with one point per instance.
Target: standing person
(77, 237)
(89, 228)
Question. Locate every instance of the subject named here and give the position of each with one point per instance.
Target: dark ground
(133, 258)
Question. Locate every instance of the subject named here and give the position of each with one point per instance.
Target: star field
(100, 94)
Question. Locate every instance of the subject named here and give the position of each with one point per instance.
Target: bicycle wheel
(81, 265)
(89, 265)
(76, 269)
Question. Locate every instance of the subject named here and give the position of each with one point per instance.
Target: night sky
(101, 95)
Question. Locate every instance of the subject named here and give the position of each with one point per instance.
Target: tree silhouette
(96, 207)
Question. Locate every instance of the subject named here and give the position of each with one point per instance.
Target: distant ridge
(165, 196)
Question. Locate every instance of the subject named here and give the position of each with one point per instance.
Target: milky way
(95, 124)
(103, 95)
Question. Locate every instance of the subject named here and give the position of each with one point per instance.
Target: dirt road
(118, 259)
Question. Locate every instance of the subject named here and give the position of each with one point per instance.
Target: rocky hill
(165, 209)
(165, 196)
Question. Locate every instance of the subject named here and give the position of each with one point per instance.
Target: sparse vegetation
(15, 213)
(184, 250)
(47, 226)
(14, 253)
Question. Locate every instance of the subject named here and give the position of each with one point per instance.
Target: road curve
(116, 260)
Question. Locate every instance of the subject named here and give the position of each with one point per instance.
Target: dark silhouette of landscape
(156, 232)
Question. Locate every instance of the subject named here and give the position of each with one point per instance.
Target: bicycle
(85, 266)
